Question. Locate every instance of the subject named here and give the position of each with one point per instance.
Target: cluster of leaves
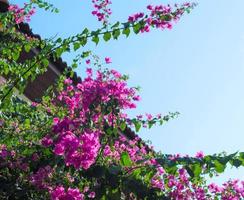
(207, 165)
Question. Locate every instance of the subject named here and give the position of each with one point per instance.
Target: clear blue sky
(197, 69)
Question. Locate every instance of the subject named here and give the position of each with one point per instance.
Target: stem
(134, 168)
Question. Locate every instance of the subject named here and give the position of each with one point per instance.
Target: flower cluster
(148, 120)
(181, 187)
(101, 10)
(138, 154)
(21, 14)
(232, 189)
(40, 178)
(161, 16)
(93, 103)
(101, 97)
(122, 145)
(4, 153)
(11, 160)
(59, 193)
(79, 150)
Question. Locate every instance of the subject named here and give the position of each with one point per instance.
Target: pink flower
(41, 176)
(55, 120)
(88, 62)
(35, 157)
(157, 182)
(47, 141)
(3, 151)
(107, 151)
(89, 72)
(161, 16)
(59, 149)
(108, 60)
(86, 189)
(59, 193)
(137, 98)
(161, 170)
(116, 74)
(20, 14)
(34, 104)
(101, 10)
(199, 155)
(92, 195)
(68, 81)
(149, 116)
(74, 194)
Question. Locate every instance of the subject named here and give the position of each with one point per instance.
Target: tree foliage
(74, 143)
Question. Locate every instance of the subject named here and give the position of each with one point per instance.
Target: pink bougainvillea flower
(20, 14)
(149, 116)
(88, 62)
(92, 195)
(59, 193)
(108, 60)
(199, 154)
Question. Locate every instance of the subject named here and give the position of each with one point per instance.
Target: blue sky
(197, 69)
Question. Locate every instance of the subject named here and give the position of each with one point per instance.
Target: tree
(73, 143)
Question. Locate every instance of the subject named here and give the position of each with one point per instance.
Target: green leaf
(126, 32)
(27, 123)
(237, 163)
(74, 65)
(241, 155)
(76, 46)
(197, 169)
(188, 10)
(125, 159)
(59, 40)
(123, 126)
(136, 173)
(137, 125)
(116, 34)
(83, 41)
(59, 52)
(190, 171)
(85, 31)
(85, 54)
(109, 131)
(95, 39)
(27, 48)
(16, 55)
(137, 28)
(150, 124)
(115, 25)
(241, 158)
(219, 167)
(45, 62)
(107, 36)
(149, 175)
